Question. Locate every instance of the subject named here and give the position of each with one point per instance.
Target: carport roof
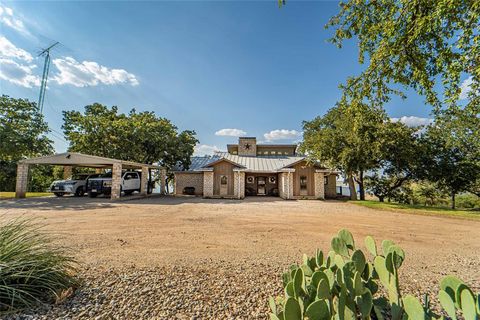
(84, 160)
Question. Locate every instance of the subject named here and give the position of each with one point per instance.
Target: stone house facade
(251, 169)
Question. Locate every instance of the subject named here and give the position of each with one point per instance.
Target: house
(251, 169)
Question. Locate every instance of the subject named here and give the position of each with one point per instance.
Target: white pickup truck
(77, 185)
(131, 181)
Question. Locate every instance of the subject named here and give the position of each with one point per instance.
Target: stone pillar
(144, 181)
(163, 179)
(286, 185)
(290, 185)
(22, 180)
(319, 185)
(239, 184)
(208, 184)
(67, 172)
(116, 181)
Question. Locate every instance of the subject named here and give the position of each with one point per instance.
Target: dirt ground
(165, 231)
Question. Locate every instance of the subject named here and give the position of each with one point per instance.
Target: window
(325, 180)
(223, 180)
(234, 152)
(303, 182)
(273, 152)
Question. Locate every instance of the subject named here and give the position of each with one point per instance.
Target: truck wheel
(92, 194)
(59, 194)
(128, 192)
(79, 192)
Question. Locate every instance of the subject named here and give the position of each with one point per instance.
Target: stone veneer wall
(239, 184)
(208, 184)
(285, 185)
(319, 185)
(331, 187)
(183, 180)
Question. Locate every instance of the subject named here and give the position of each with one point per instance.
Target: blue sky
(206, 66)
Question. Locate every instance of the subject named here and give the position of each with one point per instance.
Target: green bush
(344, 285)
(32, 269)
(468, 201)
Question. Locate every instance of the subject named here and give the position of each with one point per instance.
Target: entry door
(261, 181)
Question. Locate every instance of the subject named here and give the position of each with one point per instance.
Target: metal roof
(84, 160)
(248, 163)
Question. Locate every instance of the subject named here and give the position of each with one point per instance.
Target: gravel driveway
(189, 258)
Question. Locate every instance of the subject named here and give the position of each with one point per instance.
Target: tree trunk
(361, 186)
(453, 199)
(351, 186)
(381, 199)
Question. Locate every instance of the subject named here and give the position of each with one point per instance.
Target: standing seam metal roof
(251, 163)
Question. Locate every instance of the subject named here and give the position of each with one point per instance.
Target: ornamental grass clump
(345, 285)
(33, 270)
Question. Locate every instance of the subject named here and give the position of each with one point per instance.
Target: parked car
(131, 181)
(76, 185)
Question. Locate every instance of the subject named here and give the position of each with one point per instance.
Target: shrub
(32, 269)
(345, 285)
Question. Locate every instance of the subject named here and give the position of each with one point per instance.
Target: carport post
(22, 180)
(67, 172)
(144, 181)
(116, 181)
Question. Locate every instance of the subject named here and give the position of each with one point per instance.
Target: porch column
(319, 185)
(144, 181)
(116, 181)
(67, 172)
(163, 177)
(290, 185)
(208, 184)
(22, 180)
(239, 184)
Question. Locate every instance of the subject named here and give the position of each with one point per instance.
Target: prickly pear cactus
(343, 284)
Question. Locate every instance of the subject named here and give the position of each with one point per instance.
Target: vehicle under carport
(69, 160)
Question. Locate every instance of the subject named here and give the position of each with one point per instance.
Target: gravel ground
(197, 259)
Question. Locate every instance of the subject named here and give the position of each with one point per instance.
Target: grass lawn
(419, 209)
(6, 195)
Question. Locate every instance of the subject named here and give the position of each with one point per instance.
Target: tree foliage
(137, 136)
(22, 135)
(398, 160)
(454, 168)
(416, 44)
(347, 138)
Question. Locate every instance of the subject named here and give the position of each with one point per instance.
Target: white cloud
(412, 121)
(89, 73)
(230, 132)
(18, 73)
(9, 50)
(281, 134)
(204, 149)
(465, 88)
(8, 18)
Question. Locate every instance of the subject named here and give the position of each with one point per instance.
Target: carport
(70, 160)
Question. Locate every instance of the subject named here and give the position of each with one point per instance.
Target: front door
(261, 190)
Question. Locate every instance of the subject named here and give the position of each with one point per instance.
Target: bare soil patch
(193, 246)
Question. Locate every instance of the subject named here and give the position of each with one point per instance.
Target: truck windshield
(106, 175)
(79, 177)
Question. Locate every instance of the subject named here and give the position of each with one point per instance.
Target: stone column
(144, 181)
(116, 181)
(239, 184)
(319, 185)
(242, 184)
(67, 172)
(22, 180)
(163, 177)
(208, 184)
